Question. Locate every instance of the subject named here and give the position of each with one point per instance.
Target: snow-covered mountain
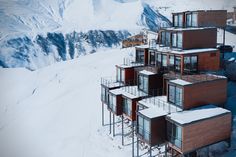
(38, 33)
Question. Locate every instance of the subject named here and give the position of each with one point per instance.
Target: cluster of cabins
(169, 92)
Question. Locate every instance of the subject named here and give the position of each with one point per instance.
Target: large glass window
(191, 20)
(140, 56)
(152, 58)
(174, 40)
(104, 94)
(175, 95)
(164, 60)
(177, 40)
(190, 64)
(143, 83)
(175, 20)
(174, 134)
(178, 20)
(127, 106)
(112, 102)
(165, 38)
(172, 62)
(144, 128)
(120, 77)
(177, 64)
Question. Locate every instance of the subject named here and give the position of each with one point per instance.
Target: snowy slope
(55, 111)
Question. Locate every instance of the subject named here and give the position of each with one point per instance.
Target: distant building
(231, 17)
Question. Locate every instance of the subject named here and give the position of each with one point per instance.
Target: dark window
(143, 83)
(165, 38)
(140, 56)
(191, 20)
(104, 95)
(177, 40)
(112, 102)
(175, 95)
(120, 77)
(174, 134)
(144, 127)
(190, 64)
(152, 58)
(172, 62)
(127, 106)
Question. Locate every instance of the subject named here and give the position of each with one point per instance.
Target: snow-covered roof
(117, 91)
(153, 113)
(132, 92)
(130, 65)
(197, 114)
(145, 72)
(202, 50)
(142, 46)
(188, 28)
(157, 106)
(180, 82)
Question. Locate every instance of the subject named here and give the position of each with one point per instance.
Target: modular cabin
(194, 129)
(139, 39)
(200, 18)
(191, 91)
(141, 54)
(150, 82)
(130, 96)
(186, 61)
(188, 38)
(115, 101)
(151, 123)
(106, 85)
(127, 73)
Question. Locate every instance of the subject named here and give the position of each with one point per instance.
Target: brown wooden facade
(127, 74)
(157, 134)
(200, 18)
(208, 90)
(188, 38)
(202, 133)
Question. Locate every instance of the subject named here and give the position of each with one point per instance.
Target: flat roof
(153, 113)
(117, 91)
(196, 114)
(180, 82)
(191, 79)
(202, 50)
(145, 72)
(186, 29)
(133, 92)
(142, 46)
(157, 106)
(131, 65)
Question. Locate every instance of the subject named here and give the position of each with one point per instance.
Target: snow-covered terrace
(191, 79)
(197, 114)
(157, 106)
(132, 92)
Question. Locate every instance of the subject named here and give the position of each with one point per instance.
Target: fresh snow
(56, 111)
(153, 113)
(180, 82)
(145, 72)
(197, 114)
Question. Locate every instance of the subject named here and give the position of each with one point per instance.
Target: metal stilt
(137, 147)
(113, 125)
(132, 139)
(165, 149)
(102, 114)
(150, 151)
(122, 129)
(110, 121)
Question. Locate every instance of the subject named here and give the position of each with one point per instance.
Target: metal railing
(161, 104)
(133, 90)
(111, 82)
(131, 62)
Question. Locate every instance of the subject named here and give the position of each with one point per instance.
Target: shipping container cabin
(150, 83)
(200, 18)
(151, 123)
(187, 61)
(115, 101)
(188, 38)
(191, 91)
(130, 96)
(194, 129)
(127, 73)
(106, 85)
(141, 54)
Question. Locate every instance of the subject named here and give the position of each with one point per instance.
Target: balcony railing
(111, 82)
(131, 62)
(133, 90)
(160, 103)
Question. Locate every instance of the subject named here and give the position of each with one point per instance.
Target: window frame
(140, 56)
(142, 81)
(193, 66)
(127, 106)
(175, 37)
(175, 134)
(145, 130)
(174, 100)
